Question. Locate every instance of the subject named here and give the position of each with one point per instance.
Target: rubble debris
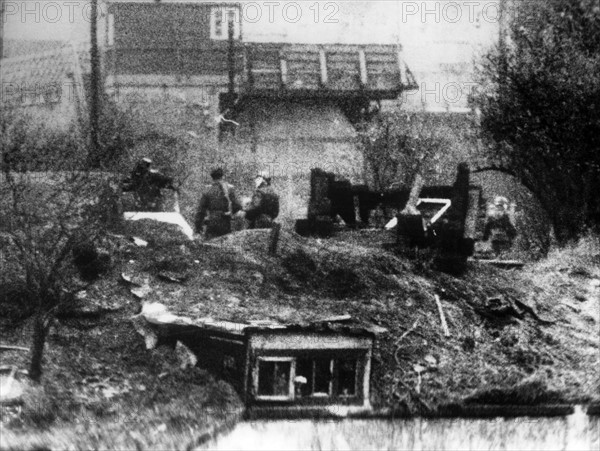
(500, 308)
(527, 308)
(141, 292)
(336, 319)
(505, 308)
(141, 287)
(146, 330)
(133, 279)
(89, 306)
(157, 313)
(139, 242)
(174, 277)
(431, 361)
(186, 358)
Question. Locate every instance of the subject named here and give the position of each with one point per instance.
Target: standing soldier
(146, 184)
(217, 206)
(499, 229)
(264, 206)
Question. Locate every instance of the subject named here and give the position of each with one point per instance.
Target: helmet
(500, 201)
(217, 174)
(264, 175)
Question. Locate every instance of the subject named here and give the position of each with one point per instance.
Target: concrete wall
(288, 139)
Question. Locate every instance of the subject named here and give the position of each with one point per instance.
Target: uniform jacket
(264, 202)
(218, 201)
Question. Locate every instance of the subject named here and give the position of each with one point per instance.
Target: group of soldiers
(218, 205)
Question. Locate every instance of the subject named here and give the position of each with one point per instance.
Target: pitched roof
(326, 70)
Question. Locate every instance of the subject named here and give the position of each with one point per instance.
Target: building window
(220, 18)
(274, 378)
(346, 377)
(321, 376)
(289, 378)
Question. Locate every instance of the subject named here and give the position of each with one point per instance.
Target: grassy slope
(235, 278)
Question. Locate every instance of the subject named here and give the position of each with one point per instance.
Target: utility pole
(94, 83)
(2, 100)
(1, 30)
(231, 54)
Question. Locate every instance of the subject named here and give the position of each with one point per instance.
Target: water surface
(574, 432)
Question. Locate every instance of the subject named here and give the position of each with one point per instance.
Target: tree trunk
(40, 331)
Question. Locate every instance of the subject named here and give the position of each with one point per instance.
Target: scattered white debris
(11, 389)
(139, 242)
(146, 330)
(187, 359)
(157, 313)
(141, 292)
(431, 361)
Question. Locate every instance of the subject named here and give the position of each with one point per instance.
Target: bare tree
(399, 145)
(49, 210)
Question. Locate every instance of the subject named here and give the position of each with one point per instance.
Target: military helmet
(264, 175)
(217, 173)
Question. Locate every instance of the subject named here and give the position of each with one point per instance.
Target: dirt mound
(336, 268)
(156, 233)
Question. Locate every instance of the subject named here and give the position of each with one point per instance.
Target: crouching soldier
(216, 208)
(499, 229)
(146, 184)
(264, 206)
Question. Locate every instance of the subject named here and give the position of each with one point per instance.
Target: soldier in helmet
(499, 229)
(146, 184)
(217, 207)
(264, 206)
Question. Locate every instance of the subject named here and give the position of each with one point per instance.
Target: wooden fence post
(274, 238)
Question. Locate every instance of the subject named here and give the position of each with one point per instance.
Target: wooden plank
(471, 221)
(442, 316)
(381, 58)
(363, 66)
(504, 264)
(13, 348)
(401, 65)
(265, 71)
(341, 56)
(299, 58)
(284, 71)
